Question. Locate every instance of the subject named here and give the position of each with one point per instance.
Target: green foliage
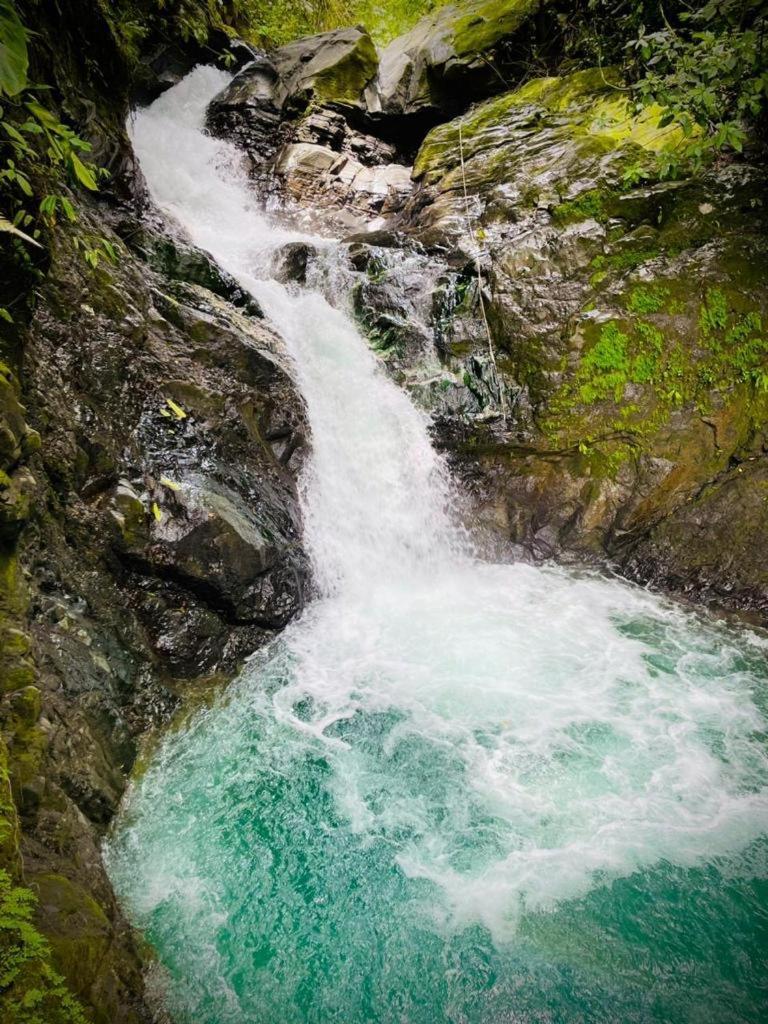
(604, 368)
(704, 63)
(32, 992)
(40, 157)
(713, 315)
(13, 51)
(709, 72)
(283, 20)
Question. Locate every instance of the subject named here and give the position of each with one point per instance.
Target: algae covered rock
(457, 53)
(335, 67)
(563, 145)
(628, 312)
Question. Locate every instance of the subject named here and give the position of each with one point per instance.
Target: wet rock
(609, 304)
(333, 68)
(686, 552)
(291, 261)
(352, 196)
(209, 541)
(321, 168)
(140, 379)
(247, 111)
(17, 439)
(179, 261)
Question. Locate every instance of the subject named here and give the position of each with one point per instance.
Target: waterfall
(452, 790)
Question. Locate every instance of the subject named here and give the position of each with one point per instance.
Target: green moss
(620, 262)
(10, 857)
(16, 669)
(717, 358)
(78, 930)
(344, 81)
(27, 741)
(488, 22)
(585, 106)
(589, 205)
(560, 93)
(645, 300)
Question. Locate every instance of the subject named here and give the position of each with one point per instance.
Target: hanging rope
(479, 272)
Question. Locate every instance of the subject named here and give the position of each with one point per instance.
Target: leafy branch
(39, 155)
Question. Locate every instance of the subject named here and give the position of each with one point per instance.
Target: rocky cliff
(588, 335)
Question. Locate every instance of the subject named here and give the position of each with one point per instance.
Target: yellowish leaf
(170, 483)
(6, 225)
(177, 411)
(156, 511)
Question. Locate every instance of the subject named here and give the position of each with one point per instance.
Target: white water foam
(587, 728)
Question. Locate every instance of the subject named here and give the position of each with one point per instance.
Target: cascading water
(453, 790)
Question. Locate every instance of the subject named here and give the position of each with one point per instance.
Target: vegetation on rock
(32, 992)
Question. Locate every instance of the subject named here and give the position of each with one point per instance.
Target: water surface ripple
(453, 790)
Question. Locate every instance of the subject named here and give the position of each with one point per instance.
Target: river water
(452, 790)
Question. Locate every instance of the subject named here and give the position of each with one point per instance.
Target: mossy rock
(447, 58)
(580, 121)
(17, 440)
(16, 667)
(77, 929)
(334, 67)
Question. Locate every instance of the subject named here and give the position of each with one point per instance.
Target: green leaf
(13, 51)
(48, 205)
(68, 208)
(23, 182)
(43, 115)
(14, 133)
(5, 225)
(83, 174)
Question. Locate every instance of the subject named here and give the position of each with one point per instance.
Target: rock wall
(150, 539)
(589, 335)
(161, 546)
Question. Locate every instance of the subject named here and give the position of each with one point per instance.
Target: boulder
(202, 535)
(459, 52)
(247, 112)
(334, 67)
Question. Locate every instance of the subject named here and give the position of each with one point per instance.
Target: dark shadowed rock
(208, 541)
